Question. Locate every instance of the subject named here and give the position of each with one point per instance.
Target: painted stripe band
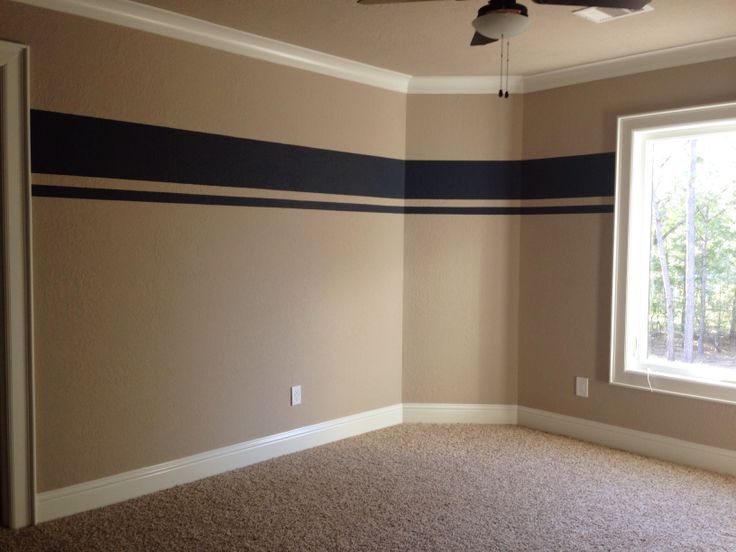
(108, 194)
(88, 146)
(64, 144)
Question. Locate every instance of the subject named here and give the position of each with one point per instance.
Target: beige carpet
(421, 487)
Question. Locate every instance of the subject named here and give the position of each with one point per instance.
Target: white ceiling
(431, 38)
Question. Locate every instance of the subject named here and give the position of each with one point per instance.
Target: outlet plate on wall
(296, 395)
(581, 387)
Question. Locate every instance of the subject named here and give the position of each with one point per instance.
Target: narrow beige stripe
(569, 202)
(150, 186)
(172, 187)
(463, 203)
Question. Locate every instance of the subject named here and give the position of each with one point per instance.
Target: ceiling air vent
(603, 15)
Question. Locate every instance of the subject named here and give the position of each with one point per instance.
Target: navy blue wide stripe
(464, 180)
(565, 177)
(71, 192)
(555, 177)
(88, 146)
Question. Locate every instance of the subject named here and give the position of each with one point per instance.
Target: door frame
(18, 509)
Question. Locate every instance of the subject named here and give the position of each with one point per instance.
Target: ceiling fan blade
(621, 4)
(480, 40)
(370, 2)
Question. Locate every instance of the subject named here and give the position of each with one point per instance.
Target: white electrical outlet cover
(296, 395)
(581, 386)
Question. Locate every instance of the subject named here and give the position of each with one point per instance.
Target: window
(674, 290)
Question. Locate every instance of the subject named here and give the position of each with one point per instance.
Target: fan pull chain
(508, 55)
(501, 93)
(500, 78)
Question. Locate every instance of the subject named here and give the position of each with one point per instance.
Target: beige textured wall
(464, 127)
(167, 330)
(566, 262)
(461, 271)
(460, 309)
(581, 119)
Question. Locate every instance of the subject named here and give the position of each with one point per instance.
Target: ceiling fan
(507, 18)
(502, 19)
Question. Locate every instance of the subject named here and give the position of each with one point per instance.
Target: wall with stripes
(210, 229)
(566, 261)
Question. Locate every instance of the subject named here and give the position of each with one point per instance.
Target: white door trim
(16, 260)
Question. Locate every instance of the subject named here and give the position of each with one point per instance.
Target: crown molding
(464, 85)
(182, 27)
(638, 63)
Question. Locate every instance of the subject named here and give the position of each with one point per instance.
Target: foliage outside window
(674, 306)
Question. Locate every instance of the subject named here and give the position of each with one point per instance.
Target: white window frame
(631, 249)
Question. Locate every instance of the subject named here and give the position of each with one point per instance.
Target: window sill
(671, 384)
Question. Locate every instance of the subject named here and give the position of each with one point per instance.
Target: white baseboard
(639, 442)
(109, 490)
(437, 413)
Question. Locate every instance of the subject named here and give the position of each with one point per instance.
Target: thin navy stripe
(197, 199)
(71, 192)
(548, 210)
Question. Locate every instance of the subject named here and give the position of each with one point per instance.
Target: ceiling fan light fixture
(498, 23)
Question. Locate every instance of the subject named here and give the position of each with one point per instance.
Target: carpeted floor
(421, 487)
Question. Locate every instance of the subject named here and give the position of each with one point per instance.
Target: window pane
(692, 254)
